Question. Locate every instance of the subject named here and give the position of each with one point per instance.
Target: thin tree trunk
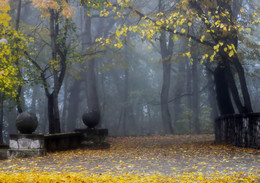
(195, 97)
(65, 106)
(178, 90)
(73, 105)
(188, 89)
(19, 89)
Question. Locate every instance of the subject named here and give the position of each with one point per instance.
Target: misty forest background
(128, 84)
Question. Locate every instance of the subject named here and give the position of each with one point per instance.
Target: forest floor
(160, 158)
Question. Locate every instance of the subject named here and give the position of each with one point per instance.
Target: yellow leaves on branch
(4, 16)
(63, 6)
(12, 47)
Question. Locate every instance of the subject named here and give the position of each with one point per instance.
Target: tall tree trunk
(178, 90)
(232, 38)
(212, 96)
(18, 99)
(58, 54)
(222, 91)
(166, 54)
(166, 117)
(195, 97)
(92, 95)
(73, 105)
(64, 107)
(11, 118)
(34, 97)
(228, 38)
(188, 90)
(125, 101)
(128, 116)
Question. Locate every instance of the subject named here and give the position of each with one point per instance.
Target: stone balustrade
(239, 129)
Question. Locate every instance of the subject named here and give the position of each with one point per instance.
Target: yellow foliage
(45, 5)
(11, 53)
(31, 177)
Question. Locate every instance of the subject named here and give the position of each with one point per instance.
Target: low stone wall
(97, 136)
(3, 151)
(62, 141)
(239, 129)
(26, 145)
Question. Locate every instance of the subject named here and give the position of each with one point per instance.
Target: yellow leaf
(231, 53)
(202, 38)
(225, 49)
(188, 54)
(158, 23)
(233, 46)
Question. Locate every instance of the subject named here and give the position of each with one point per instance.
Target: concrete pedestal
(26, 145)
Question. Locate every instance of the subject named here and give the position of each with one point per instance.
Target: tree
(166, 47)
(220, 29)
(59, 14)
(12, 47)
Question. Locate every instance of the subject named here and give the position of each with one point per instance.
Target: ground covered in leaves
(175, 158)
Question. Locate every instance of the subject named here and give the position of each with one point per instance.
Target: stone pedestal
(97, 136)
(26, 145)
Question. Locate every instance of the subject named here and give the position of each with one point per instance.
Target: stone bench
(62, 141)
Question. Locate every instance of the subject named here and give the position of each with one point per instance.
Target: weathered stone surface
(97, 136)
(3, 151)
(26, 141)
(26, 145)
(13, 144)
(238, 129)
(62, 141)
(25, 153)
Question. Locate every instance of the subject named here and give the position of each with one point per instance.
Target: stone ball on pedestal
(91, 119)
(26, 122)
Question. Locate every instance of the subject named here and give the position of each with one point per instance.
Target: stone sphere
(91, 119)
(26, 122)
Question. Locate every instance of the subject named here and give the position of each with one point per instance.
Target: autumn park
(129, 91)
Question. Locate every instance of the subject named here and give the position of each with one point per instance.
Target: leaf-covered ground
(175, 158)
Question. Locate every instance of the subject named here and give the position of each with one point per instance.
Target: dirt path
(156, 154)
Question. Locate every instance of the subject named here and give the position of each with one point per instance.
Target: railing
(239, 129)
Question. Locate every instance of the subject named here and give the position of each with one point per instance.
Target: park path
(165, 155)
